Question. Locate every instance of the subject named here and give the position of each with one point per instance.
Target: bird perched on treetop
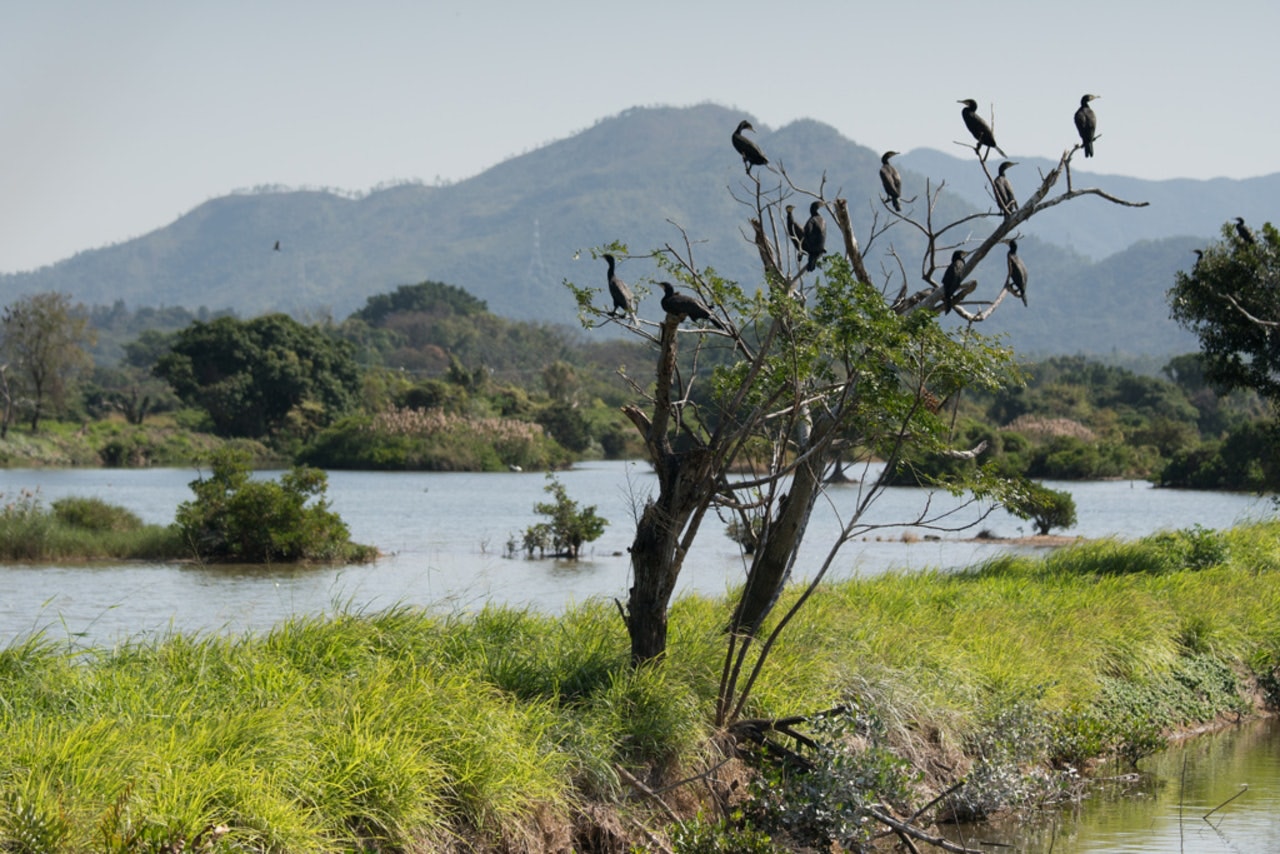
(951, 279)
(1005, 200)
(1017, 273)
(1087, 123)
(751, 153)
(891, 180)
(1243, 230)
(674, 302)
(795, 232)
(980, 129)
(814, 239)
(1199, 258)
(622, 298)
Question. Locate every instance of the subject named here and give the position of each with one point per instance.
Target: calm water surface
(444, 535)
(1165, 808)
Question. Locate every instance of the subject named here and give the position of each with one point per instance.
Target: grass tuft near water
(406, 730)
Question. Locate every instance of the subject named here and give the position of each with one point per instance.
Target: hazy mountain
(512, 234)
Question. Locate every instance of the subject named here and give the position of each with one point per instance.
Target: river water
(444, 537)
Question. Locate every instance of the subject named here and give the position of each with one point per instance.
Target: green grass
(80, 529)
(404, 730)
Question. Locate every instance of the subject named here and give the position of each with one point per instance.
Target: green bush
(568, 529)
(235, 518)
(432, 440)
(94, 514)
(1046, 508)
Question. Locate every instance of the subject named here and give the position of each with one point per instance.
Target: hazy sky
(117, 117)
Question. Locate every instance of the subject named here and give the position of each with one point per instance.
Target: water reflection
(1213, 794)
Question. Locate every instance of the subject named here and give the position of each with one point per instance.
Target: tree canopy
(1231, 301)
(43, 342)
(251, 376)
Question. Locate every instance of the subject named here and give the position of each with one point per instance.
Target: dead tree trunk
(668, 522)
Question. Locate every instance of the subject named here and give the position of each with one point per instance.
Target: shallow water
(1212, 794)
(444, 535)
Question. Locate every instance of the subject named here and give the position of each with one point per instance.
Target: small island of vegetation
(231, 519)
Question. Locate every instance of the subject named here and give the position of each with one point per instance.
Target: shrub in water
(238, 519)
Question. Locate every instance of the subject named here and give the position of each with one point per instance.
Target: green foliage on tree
(1247, 457)
(568, 526)
(43, 342)
(567, 425)
(1231, 301)
(1046, 508)
(236, 518)
(252, 376)
(424, 297)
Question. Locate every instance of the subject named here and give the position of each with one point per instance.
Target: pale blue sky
(118, 117)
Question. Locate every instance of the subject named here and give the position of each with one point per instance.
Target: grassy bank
(510, 730)
(162, 440)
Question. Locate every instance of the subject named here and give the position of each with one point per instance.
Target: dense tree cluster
(252, 377)
(1231, 300)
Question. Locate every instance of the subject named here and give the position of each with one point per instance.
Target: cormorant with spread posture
(891, 180)
(674, 302)
(623, 300)
(814, 239)
(1005, 199)
(795, 232)
(951, 279)
(751, 153)
(1087, 123)
(1017, 273)
(1243, 230)
(980, 129)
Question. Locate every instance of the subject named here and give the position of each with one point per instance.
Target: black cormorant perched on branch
(623, 300)
(751, 153)
(891, 180)
(980, 129)
(795, 232)
(1017, 273)
(1005, 200)
(814, 239)
(1199, 258)
(951, 279)
(674, 302)
(1243, 230)
(1087, 123)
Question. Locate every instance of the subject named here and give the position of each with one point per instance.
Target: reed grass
(408, 730)
(80, 529)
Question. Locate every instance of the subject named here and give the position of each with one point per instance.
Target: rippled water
(445, 534)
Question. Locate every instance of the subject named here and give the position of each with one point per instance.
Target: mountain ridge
(512, 233)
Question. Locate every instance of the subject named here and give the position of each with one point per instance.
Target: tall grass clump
(79, 529)
(433, 440)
